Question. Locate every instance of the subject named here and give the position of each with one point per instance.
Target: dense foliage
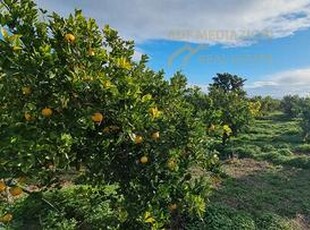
(268, 104)
(305, 116)
(144, 148)
(230, 104)
(291, 105)
(71, 95)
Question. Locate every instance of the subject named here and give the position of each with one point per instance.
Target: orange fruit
(97, 117)
(6, 218)
(28, 116)
(15, 191)
(144, 159)
(172, 207)
(155, 135)
(138, 139)
(26, 90)
(47, 112)
(70, 38)
(2, 186)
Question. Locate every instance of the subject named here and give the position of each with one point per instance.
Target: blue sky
(259, 62)
(265, 41)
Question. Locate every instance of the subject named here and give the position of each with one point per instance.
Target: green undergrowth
(262, 196)
(274, 139)
(267, 179)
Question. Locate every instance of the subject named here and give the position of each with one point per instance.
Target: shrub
(305, 122)
(71, 95)
(78, 207)
(229, 102)
(268, 104)
(291, 105)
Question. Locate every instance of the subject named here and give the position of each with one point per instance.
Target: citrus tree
(230, 103)
(71, 96)
(291, 105)
(305, 119)
(267, 104)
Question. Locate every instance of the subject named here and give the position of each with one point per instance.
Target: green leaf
(148, 218)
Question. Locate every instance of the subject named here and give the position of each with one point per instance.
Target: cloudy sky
(265, 41)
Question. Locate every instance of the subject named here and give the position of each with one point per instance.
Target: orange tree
(305, 118)
(268, 104)
(291, 105)
(230, 104)
(72, 96)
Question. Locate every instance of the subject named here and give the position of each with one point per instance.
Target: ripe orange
(172, 207)
(97, 117)
(2, 186)
(70, 38)
(155, 135)
(47, 112)
(15, 191)
(26, 90)
(6, 218)
(144, 159)
(138, 139)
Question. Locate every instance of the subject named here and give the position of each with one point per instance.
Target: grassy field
(267, 183)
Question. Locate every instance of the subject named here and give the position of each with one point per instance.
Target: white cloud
(277, 85)
(295, 81)
(228, 22)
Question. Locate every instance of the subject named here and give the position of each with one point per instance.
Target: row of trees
(294, 106)
(225, 105)
(71, 96)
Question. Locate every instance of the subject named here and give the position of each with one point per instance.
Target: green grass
(274, 139)
(260, 188)
(268, 182)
